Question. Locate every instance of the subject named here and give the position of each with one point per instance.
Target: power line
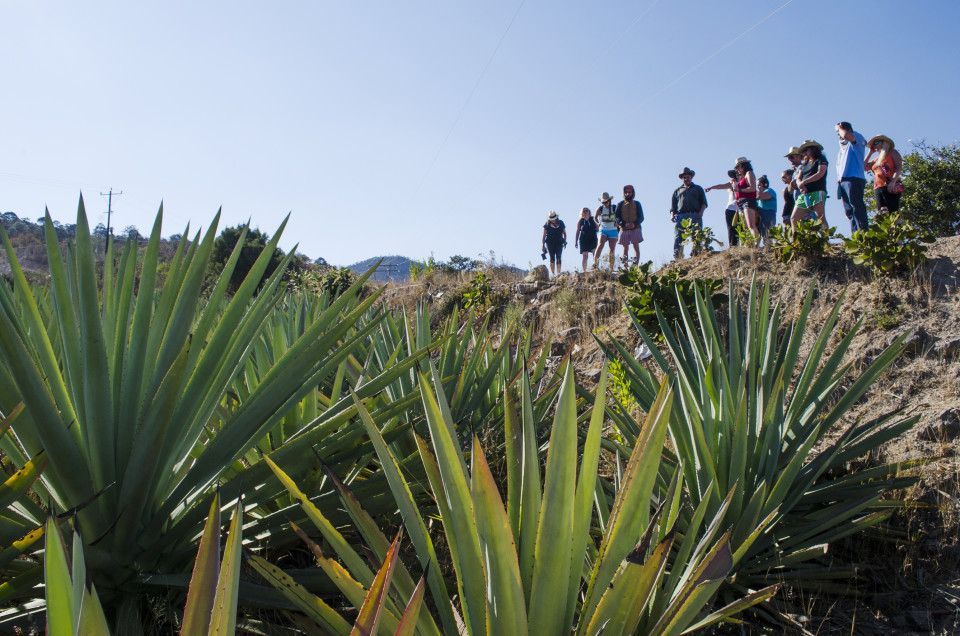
(576, 81)
(463, 108)
(662, 90)
(694, 68)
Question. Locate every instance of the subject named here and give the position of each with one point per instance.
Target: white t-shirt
(732, 201)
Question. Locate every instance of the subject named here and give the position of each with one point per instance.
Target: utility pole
(109, 196)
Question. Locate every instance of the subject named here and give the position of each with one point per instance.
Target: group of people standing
(752, 202)
(609, 225)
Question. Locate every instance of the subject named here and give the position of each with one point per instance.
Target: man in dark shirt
(689, 202)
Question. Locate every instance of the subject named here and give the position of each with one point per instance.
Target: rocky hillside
(911, 583)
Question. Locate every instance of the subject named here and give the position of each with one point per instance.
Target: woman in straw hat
(812, 184)
(606, 217)
(886, 168)
(554, 239)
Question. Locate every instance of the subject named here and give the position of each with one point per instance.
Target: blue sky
(444, 127)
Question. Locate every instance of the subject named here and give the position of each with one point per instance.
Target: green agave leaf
(631, 513)
(552, 562)
(506, 607)
(203, 582)
(223, 619)
(58, 585)
(459, 523)
(408, 622)
(369, 616)
(313, 606)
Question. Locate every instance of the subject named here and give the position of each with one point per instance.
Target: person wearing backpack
(606, 217)
(629, 219)
(586, 238)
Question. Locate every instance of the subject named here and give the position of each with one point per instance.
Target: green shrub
(478, 292)
(700, 239)
(647, 293)
(891, 244)
(745, 236)
(421, 269)
(810, 239)
(337, 281)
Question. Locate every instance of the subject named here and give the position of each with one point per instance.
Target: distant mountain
(393, 268)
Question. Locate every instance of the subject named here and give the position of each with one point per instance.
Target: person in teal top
(767, 202)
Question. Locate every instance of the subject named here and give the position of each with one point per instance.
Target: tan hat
(793, 151)
(553, 215)
(810, 143)
(877, 138)
(687, 171)
(741, 160)
(605, 197)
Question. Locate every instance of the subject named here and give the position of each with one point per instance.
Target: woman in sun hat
(886, 168)
(606, 217)
(812, 183)
(586, 238)
(554, 240)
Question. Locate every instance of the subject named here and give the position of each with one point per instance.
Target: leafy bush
(337, 281)
(745, 236)
(646, 293)
(810, 239)
(422, 269)
(931, 189)
(478, 292)
(700, 239)
(890, 244)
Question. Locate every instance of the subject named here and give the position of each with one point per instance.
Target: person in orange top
(886, 167)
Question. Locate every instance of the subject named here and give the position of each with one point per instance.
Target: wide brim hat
(553, 215)
(741, 160)
(810, 143)
(605, 197)
(793, 151)
(877, 138)
(687, 171)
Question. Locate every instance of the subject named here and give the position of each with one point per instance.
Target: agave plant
(752, 417)
(142, 395)
(534, 564)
